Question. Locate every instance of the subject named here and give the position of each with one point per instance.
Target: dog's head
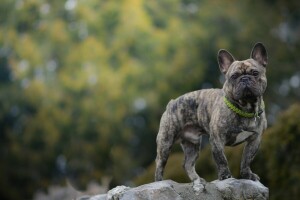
(244, 80)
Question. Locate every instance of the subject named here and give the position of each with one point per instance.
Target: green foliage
(83, 83)
(279, 160)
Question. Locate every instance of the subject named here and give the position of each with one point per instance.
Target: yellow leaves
(87, 13)
(133, 21)
(58, 32)
(8, 36)
(73, 79)
(27, 49)
(83, 64)
(36, 90)
(134, 17)
(90, 50)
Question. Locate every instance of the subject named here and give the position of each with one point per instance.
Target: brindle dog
(220, 113)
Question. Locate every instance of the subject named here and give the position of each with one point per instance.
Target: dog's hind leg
(191, 153)
(165, 140)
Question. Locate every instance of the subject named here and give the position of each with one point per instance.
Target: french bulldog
(230, 116)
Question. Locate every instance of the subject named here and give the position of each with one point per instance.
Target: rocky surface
(234, 189)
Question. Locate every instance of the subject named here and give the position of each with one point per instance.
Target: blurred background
(83, 84)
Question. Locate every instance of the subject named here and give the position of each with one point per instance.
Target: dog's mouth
(247, 92)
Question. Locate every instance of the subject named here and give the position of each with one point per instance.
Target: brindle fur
(200, 112)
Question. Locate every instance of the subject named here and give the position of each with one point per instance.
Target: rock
(159, 190)
(234, 189)
(241, 189)
(117, 192)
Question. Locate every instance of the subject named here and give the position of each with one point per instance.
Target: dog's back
(193, 108)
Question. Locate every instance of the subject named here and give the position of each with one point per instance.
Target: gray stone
(117, 192)
(96, 197)
(234, 189)
(241, 189)
(162, 190)
(99, 197)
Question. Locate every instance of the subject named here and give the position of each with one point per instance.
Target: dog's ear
(225, 59)
(259, 53)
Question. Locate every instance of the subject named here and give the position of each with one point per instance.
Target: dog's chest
(241, 134)
(233, 139)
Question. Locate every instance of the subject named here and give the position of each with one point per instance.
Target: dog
(230, 116)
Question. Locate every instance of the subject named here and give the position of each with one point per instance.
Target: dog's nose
(245, 79)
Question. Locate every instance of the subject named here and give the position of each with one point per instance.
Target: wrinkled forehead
(245, 66)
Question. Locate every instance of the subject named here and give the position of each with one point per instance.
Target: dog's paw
(199, 185)
(225, 175)
(250, 175)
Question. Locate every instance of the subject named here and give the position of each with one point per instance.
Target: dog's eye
(235, 76)
(255, 73)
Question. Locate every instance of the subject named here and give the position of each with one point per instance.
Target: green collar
(243, 113)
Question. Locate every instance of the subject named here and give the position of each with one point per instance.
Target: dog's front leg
(249, 152)
(219, 157)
